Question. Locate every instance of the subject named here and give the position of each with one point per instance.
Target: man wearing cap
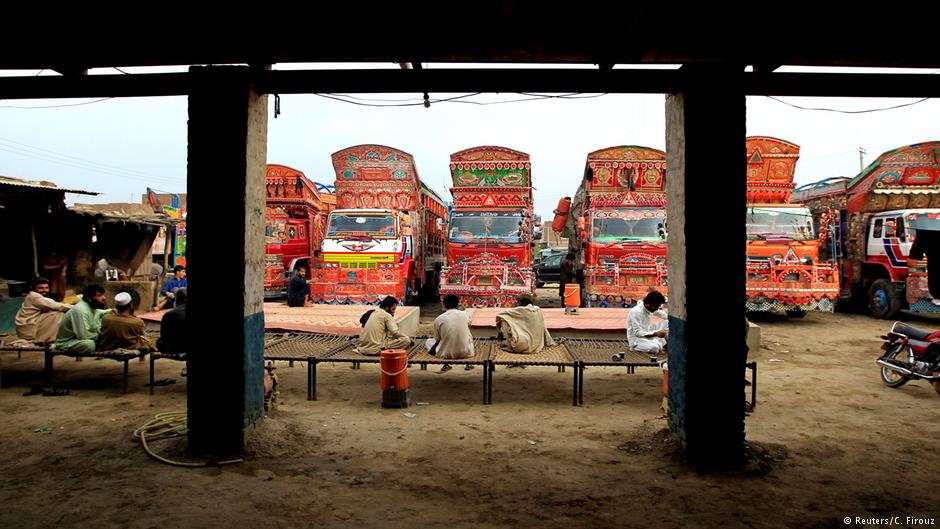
(121, 329)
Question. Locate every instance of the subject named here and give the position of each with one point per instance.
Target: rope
(167, 426)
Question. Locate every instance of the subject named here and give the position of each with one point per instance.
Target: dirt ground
(827, 441)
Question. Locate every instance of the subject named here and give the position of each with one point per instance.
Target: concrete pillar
(225, 257)
(705, 131)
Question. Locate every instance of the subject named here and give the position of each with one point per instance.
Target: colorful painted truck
(785, 271)
(878, 214)
(295, 218)
(617, 225)
(386, 235)
(489, 244)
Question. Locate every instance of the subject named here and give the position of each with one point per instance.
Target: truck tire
(884, 302)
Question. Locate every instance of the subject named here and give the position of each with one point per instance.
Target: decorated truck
(386, 235)
(786, 271)
(616, 225)
(489, 243)
(878, 214)
(295, 217)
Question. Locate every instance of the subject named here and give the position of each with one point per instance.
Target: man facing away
(297, 289)
(523, 328)
(169, 289)
(173, 327)
(452, 336)
(647, 326)
(121, 329)
(381, 331)
(38, 319)
(81, 325)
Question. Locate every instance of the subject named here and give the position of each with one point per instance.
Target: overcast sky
(119, 147)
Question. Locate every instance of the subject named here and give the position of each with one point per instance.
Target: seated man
(523, 328)
(645, 334)
(169, 289)
(81, 325)
(173, 327)
(121, 329)
(38, 319)
(381, 331)
(298, 290)
(452, 338)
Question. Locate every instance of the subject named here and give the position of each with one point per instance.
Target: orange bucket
(394, 365)
(572, 295)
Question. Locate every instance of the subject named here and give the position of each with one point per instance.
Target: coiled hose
(167, 426)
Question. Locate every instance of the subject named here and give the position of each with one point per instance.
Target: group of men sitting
(521, 328)
(89, 326)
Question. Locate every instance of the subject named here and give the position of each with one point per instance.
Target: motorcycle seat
(912, 332)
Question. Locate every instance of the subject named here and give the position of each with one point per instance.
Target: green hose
(168, 425)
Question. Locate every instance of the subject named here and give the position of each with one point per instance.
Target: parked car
(548, 270)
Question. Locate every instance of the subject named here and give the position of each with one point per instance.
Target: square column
(705, 152)
(225, 253)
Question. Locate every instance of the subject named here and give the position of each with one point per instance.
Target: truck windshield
(764, 222)
(508, 226)
(351, 225)
(620, 224)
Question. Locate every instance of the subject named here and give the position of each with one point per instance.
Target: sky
(119, 147)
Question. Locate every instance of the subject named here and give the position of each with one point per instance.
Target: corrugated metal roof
(44, 185)
(139, 213)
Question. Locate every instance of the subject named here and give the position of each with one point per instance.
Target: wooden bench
(482, 356)
(556, 356)
(600, 352)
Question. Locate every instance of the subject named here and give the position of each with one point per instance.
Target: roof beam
(460, 80)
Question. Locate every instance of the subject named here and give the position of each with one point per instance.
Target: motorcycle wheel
(890, 377)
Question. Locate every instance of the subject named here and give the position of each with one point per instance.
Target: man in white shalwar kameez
(647, 326)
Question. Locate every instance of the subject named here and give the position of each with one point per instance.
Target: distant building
(552, 240)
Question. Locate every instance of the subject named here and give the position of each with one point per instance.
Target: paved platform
(330, 319)
(590, 323)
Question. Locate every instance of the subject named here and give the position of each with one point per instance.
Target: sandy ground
(827, 441)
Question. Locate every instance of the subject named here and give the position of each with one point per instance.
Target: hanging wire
(818, 109)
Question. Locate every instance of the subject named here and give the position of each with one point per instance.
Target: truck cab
(502, 233)
(891, 283)
(287, 247)
(625, 255)
(367, 254)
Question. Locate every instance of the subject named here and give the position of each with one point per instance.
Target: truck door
(875, 245)
(885, 243)
(903, 236)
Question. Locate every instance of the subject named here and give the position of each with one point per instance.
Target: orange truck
(295, 217)
(617, 225)
(386, 235)
(489, 244)
(785, 273)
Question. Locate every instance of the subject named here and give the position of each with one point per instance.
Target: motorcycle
(910, 354)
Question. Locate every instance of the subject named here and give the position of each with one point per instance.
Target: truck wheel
(796, 313)
(883, 300)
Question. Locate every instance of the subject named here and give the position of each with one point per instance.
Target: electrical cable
(819, 109)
